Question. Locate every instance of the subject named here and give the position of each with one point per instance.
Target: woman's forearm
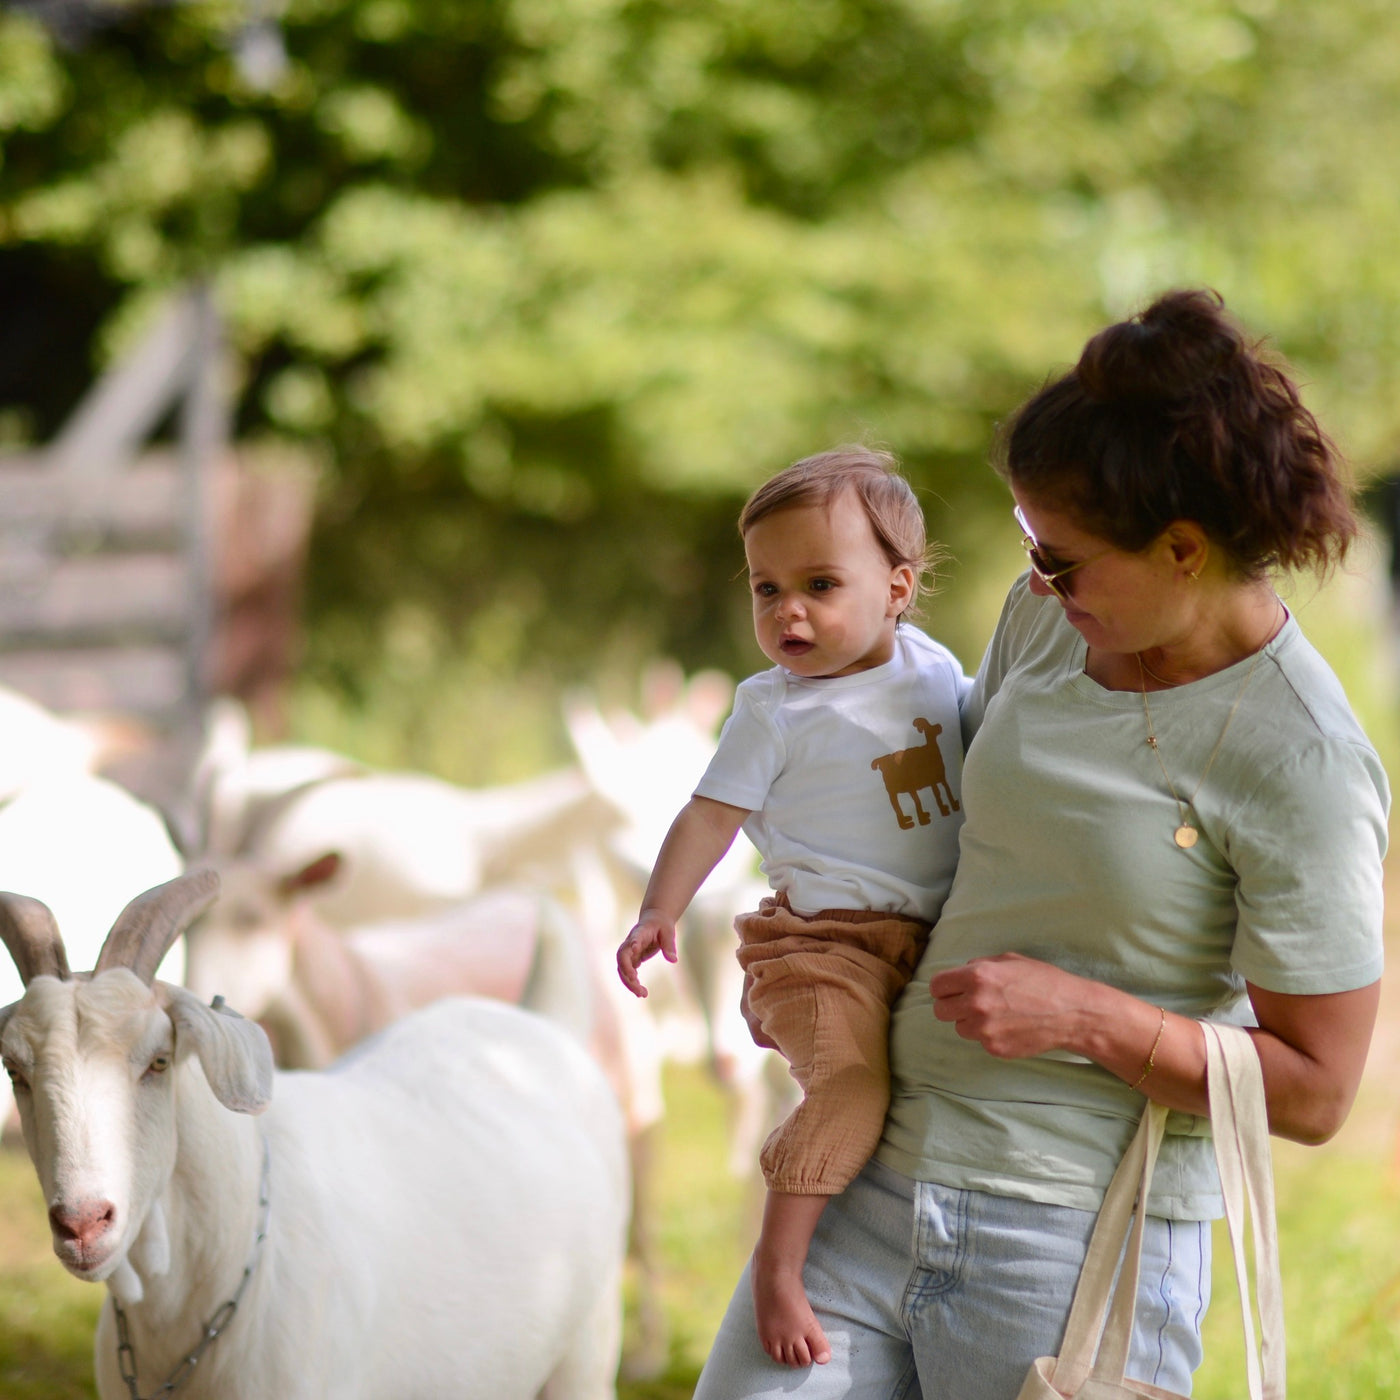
(1312, 1048)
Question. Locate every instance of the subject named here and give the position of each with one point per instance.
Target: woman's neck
(1214, 640)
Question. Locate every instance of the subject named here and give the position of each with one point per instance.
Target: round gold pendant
(1186, 836)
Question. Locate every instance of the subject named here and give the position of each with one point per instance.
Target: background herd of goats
(434, 1183)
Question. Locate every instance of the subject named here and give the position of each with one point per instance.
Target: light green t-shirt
(1067, 855)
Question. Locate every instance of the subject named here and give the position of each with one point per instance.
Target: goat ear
(233, 1052)
(320, 871)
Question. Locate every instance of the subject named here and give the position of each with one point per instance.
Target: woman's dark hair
(1176, 414)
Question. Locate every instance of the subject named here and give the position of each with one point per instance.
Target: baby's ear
(902, 580)
(233, 1052)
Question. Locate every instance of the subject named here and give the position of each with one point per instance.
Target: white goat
(413, 842)
(412, 846)
(318, 990)
(409, 847)
(85, 846)
(441, 1214)
(411, 855)
(56, 817)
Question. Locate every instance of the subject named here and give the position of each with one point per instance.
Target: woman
(1171, 814)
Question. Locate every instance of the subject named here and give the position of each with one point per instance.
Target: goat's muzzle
(81, 1233)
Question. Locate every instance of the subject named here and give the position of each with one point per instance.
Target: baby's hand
(651, 933)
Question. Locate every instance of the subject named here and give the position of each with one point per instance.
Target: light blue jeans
(928, 1293)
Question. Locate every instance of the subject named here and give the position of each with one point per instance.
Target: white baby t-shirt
(853, 783)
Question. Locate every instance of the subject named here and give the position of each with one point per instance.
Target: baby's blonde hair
(886, 497)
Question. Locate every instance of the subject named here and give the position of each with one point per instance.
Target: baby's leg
(787, 1326)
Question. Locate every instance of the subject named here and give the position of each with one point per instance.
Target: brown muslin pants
(822, 988)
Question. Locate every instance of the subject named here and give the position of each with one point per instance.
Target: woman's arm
(1312, 1048)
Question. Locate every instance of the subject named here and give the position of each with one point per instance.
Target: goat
(413, 842)
(318, 990)
(442, 1213)
(411, 848)
(909, 770)
(55, 816)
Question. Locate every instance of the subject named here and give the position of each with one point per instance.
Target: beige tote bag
(1094, 1355)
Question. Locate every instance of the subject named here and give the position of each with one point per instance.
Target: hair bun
(1164, 355)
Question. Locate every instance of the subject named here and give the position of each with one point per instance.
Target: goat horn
(29, 930)
(150, 924)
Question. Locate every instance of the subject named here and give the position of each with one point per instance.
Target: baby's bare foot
(787, 1326)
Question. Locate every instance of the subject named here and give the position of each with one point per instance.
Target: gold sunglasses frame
(1051, 578)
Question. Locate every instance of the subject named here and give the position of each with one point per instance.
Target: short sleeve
(749, 757)
(1307, 850)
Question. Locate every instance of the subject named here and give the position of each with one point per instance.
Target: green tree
(549, 284)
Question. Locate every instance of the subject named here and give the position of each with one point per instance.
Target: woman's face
(1119, 601)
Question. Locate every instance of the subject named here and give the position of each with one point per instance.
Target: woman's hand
(1312, 1048)
(1012, 1005)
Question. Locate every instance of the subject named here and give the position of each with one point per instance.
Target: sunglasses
(1050, 571)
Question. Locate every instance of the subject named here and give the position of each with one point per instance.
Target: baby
(816, 764)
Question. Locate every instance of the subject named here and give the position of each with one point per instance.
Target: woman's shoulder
(1312, 690)
(1029, 611)
(1030, 623)
(1305, 745)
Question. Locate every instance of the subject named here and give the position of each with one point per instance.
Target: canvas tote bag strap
(1093, 1357)
(1239, 1125)
(1092, 1295)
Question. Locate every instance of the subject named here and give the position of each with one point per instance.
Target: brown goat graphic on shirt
(911, 770)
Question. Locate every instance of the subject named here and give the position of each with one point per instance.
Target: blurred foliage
(548, 285)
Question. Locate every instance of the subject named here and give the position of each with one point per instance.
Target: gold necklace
(1186, 835)
(1161, 680)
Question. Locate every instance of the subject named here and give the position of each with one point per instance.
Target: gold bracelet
(1151, 1063)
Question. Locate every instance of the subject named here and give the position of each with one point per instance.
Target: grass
(708, 1222)
(1339, 1218)
(47, 1318)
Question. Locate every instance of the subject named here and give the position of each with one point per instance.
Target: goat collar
(126, 1353)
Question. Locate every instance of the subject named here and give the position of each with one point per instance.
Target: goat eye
(16, 1078)
(159, 1064)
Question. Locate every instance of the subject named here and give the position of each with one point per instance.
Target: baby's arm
(695, 844)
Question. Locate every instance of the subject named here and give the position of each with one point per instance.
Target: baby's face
(825, 597)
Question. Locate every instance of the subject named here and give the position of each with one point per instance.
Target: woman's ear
(1189, 547)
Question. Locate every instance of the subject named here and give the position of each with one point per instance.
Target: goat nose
(83, 1224)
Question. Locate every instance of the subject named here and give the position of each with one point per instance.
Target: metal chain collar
(126, 1353)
